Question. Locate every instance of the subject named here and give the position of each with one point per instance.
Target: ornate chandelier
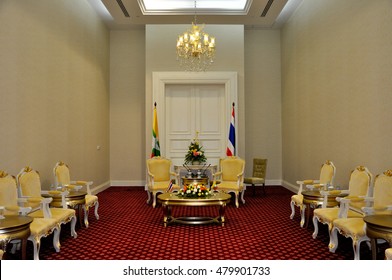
(195, 49)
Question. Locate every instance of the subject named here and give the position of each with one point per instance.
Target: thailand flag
(230, 151)
(170, 187)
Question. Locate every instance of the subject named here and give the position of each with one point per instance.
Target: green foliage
(195, 153)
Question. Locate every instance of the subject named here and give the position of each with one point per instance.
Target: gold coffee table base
(171, 199)
(196, 220)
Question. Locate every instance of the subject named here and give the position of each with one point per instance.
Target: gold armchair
(359, 186)
(355, 228)
(39, 227)
(327, 175)
(62, 178)
(258, 174)
(230, 177)
(29, 187)
(159, 176)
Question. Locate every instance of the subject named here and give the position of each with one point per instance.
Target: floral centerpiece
(195, 152)
(194, 190)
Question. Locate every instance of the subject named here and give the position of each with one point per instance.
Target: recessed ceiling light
(182, 5)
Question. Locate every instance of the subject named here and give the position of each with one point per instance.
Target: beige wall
(263, 101)
(259, 88)
(336, 88)
(127, 102)
(54, 88)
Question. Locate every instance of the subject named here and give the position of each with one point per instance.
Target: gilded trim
(361, 168)
(388, 173)
(3, 174)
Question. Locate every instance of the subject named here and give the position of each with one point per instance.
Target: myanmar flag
(156, 150)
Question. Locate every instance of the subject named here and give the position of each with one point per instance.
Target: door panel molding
(190, 79)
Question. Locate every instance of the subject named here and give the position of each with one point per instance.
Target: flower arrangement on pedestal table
(194, 190)
(195, 152)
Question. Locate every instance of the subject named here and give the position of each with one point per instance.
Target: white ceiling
(254, 14)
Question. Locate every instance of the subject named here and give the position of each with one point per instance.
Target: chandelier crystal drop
(195, 49)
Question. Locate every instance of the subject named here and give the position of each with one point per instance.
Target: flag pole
(156, 150)
(231, 150)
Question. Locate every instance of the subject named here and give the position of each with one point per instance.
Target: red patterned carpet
(129, 229)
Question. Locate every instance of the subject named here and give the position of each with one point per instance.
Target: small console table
(182, 171)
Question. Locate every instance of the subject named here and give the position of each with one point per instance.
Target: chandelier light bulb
(195, 49)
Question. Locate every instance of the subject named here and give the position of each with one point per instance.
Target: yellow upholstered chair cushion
(328, 215)
(327, 173)
(388, 254)
(30, 183)
(62, 174)
(59, 214)
(297, 198)
(90, 199)
(334, 192)
(227, 186)
(11, 210)
(163, 185)
(353, 226)
(82, 183)
(308, 182)
(383, 192)
(160, 168)
(41, 226)
(8, 194)
(231, 168)
(254, 180)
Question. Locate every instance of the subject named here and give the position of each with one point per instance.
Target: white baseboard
(100, 188)
(131, 183)
(139, 183)
(127, 183)
(290, 187)
(273, 182)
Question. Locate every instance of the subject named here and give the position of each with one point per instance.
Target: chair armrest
(345, 204)
(326, 194)
(176, 176)
(216, 176)
(44, 203)
(305, 182)
(240, 179)
(150, 179)
(23, 211)
(81, 183)
(63, 195)
(72, 187)
(371, 210)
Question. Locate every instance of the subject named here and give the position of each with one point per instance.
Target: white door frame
(161, 79)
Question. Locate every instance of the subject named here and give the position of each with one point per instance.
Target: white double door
(192, 110)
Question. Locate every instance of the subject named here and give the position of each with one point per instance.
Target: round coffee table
(15, 227)
(378, 226)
